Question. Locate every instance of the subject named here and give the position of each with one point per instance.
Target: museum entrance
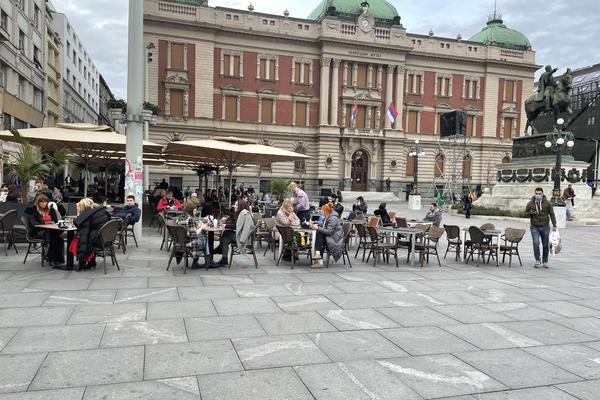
(360, 171)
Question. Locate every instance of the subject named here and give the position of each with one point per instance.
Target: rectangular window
(177, 57)
(37, 17)
(361, 118)
(443, 86)
(470, 125)
(6, 121)
(231, 65)
(301, 114)
(21, 40)
(37, 99)
(413, 117)
(509, 90)
(272, 70)
(298, 73)
(263, 68)
(74, 58)
(4, 21)
(362, 73)
(266, 116)
(177, 103)
(22, 89)
(474, 89)
(508, 124)
(410, 165)
(306, 73)
(231, 105)
(410, 84)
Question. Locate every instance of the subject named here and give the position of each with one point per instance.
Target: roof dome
(498, 34)
(381, 10)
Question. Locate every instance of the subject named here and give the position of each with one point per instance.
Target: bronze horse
(561, 102)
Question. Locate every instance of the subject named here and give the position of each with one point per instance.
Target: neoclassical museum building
(322, 85)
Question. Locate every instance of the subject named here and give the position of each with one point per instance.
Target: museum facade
(322, 86)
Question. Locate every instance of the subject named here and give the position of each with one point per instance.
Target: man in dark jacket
(131, 209)
(88, 225)
(540, 213)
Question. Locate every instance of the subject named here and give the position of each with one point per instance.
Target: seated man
(434, 215)
(132, 209)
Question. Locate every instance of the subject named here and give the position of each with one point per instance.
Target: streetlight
(557, 139)
(416, 152)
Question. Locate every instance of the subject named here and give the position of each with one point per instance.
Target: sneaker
(316, 266)
(545, 265)
(537, 264)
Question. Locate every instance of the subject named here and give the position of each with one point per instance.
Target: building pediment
(414, 104)
(177, 80)
(302, 94)
(266, 91)
(231, 87)
(444, 106)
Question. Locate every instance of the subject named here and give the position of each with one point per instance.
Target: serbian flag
(354, 111)
(392, 113)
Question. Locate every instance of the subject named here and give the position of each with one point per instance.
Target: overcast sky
(564, 34)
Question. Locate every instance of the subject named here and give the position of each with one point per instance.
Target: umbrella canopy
(230, 152)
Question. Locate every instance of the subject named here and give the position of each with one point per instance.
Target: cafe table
(70, 236)
(412, 233)
(487, 232)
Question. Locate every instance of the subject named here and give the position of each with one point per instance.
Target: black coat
(35, 218)
(88, 226)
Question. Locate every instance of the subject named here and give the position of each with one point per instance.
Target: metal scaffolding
(452, 170)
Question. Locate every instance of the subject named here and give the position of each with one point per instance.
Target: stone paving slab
(491, 336)
(108, 313)
(575, 358)
(123, 334)
(90, 367)
(542, 393)
(424, 340)
(224, 327)
(516, 368)
(146, 295)
(471, 314)
(55, 338)
(207, 293)
(347, 320)
(34, 316)
(181, 309)
(185, 388)
(356, 380)
(245, 306)
(305, 303)
(6, 334)
(416, 316)
(193, 358)
(58, 394)
(266, 384)
(590, 326)
(18, 370)
(119, 283)
(74, 297)
(547, 332)
(22, 299)
(291, 323)
(264, 290)
(278, 351)
(62, 284)
(355, 345)
(304, 289)
(521, 311)
(587, 390)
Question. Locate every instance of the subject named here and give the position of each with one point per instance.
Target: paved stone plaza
(456, 332)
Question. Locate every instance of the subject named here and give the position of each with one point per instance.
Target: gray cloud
(563, 34)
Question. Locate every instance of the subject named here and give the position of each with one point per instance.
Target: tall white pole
(134, 182)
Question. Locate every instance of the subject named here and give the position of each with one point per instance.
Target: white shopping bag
(555, 242)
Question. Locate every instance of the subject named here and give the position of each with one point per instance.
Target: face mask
(538, 197)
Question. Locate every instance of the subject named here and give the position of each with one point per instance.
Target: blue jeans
(543, 233)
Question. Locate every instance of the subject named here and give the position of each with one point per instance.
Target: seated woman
(40, 214)
(382, 213)
(90, 218)
(330, 234)
(286, 216)
(359, 206)
(168, 202)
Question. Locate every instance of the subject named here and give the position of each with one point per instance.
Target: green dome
(498, 34)
(381, 10)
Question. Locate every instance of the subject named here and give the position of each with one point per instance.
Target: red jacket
(163, 204)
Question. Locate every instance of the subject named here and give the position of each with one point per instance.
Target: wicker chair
(430, 244)
(122, 234)
(7, 230)
(34, 245)
(379, 247)
(180, 248)
(289, 244)
(107, 236)
(272, 242)
(512, 237)
(233, 249)
(454, 240)
(364, 240)
(479, 245)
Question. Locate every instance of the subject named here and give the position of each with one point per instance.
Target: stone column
(334, 92)
(399, 95)
(324, 100)
(379, 76)
(389, 88)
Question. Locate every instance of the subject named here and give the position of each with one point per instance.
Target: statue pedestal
(560, 212)
(414, 202)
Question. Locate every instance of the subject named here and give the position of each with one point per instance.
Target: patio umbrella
(231, 153)
(87, 142)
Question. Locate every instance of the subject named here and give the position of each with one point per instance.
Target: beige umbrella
(230, 152)
(87, 142)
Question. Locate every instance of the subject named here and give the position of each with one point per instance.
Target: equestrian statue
(552, 97)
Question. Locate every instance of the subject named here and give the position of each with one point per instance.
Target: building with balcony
(81, 79)
(53, 62)
(321, 85)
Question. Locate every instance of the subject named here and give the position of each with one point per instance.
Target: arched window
(439, 166)
(506, 160)
(300, 165)
(467, 167)
(410, 165)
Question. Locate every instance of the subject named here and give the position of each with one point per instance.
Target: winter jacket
(243, 229)
(163, 204)
(540, 213)
(35, 218)
(334, 235)
(435, 217)
(362, 207)
(134, 213)
(88, 227)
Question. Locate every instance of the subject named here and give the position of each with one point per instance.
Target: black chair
(122, 233)
(347, 227)
(105, 247)
(429, 246)
(454, 240)
(512, 237)
(480, 245)
(233, 249)
(7, 230)
(364, 240)
(130, 231)
(181, 247)
(272, 242)
(34, 245)
(292, 245)
(379, 247)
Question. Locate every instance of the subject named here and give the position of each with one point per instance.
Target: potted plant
(280, 190)
(116, 108)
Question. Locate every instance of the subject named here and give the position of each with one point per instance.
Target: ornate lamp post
(557, 141)
(416, 152)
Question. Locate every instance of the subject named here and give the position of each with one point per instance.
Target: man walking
(301, 203)
(540, 213)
